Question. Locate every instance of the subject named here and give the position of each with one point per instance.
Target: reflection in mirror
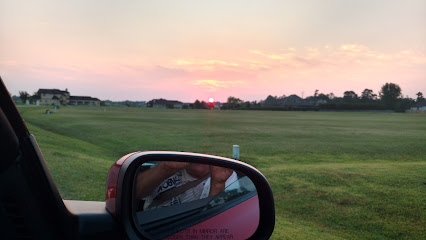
(181, 200)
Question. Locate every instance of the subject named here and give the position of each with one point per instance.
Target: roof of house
(51, 91)
(83, 98)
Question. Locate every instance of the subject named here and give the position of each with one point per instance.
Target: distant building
(84, 100)
(126, 103)
(217, 105)
(163, 103)
(188, 105)
(16, 98)
(53, 96)
(420, 106)
(59, 97)
(314, 101)
(133, 103)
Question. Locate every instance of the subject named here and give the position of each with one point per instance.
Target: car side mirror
(179, 195)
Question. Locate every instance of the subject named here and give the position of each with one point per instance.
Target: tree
(389, 94)
(323, 96)
(271, 101)
(24, 95)
(350, 96)
(316, 93)
(403, 104)
(368, 95)
(419, 97)
(234, 102)
(197, 104)
(204, 105)
(36, 96)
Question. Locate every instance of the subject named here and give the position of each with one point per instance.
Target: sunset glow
(185, 50)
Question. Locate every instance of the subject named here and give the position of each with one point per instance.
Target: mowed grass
(334, 175)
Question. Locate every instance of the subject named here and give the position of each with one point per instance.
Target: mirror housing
(121, 178)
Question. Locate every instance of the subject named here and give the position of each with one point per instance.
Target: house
(420, 106)
(84, 100)
(163, 103)
(59, 97)
(217, 105)
(53, 96)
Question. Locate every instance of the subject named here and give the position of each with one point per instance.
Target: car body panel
(238, 222)
(111, 184)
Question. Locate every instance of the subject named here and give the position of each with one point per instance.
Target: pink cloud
(215, 85)
(255, 74)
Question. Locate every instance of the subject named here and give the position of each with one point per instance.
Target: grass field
(334, 175)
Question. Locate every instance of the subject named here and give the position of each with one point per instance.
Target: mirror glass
(181, 200)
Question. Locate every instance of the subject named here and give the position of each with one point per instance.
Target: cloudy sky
(187, 50)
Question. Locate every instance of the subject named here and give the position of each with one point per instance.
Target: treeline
(24, 96)
(389, 97)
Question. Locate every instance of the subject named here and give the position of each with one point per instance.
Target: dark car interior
(30, 204)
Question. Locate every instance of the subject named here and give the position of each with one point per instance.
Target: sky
(188, 50)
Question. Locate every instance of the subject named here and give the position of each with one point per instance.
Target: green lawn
(334, 175)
